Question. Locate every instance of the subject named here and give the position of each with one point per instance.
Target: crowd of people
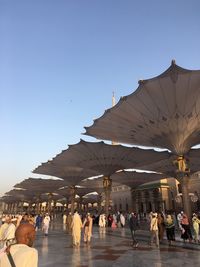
(179, 225)
(159, 225)
(17, 232)
(11, 222)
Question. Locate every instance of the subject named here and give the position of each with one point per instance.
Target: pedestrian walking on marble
(87, 226)
(134, 226)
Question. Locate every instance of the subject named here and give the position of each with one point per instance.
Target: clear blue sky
(60, 61)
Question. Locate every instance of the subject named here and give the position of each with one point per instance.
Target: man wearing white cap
(9, 234)
(3, 228)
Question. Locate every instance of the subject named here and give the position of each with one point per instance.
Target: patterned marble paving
(112, 250)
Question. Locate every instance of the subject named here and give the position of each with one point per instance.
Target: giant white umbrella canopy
(41, 186)
(129, 178)
(91, 199)
(101, 158)
(23, 194)
(168, 168)
(133, 179)
(9, 199)
(38, 185)
(72, 175)
(18, 196)
(97, 184)
(80, 191)
(164, 112)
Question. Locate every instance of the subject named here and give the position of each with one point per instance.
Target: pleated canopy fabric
(40, 186)
(9, 199)
(71, 175)
(133, 179)
(93, 183)
(163, 112)
(168, 168)
(80, 191)
(97, 184)
(90, 199)
(53, 196)
(21, 194)
(102, 158)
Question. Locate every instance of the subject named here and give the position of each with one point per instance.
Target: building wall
(194, 187)
(150, 196)
(121, 198)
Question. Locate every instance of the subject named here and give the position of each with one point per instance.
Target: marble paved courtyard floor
(111, 248)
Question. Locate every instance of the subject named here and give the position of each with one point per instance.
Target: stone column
(86, 207)
(80, 202)
(73, 194)
(65, 204)
(184, 181)
(11, 205)
(37, 203)
(21, 206)
(49, 207)
(17, 206)
(183, 176)
(54, 207)
(29, 209)
(40, 207)
(136, 207)
(5, 207)
(152, 200)
(143, 200)
(99, 199)
(107, 184)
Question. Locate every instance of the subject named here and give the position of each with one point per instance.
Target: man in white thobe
(3, 229)
(76, 229)
(46, 222)
(9, 233)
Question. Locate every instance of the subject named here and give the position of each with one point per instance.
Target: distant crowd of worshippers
(170, 225)
(158, 223)
(9, 224)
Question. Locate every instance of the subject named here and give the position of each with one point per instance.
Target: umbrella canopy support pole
(107, 184)
(185, 194)
(49, 209)
(80, 203)
(99, 199)
(73, 194)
